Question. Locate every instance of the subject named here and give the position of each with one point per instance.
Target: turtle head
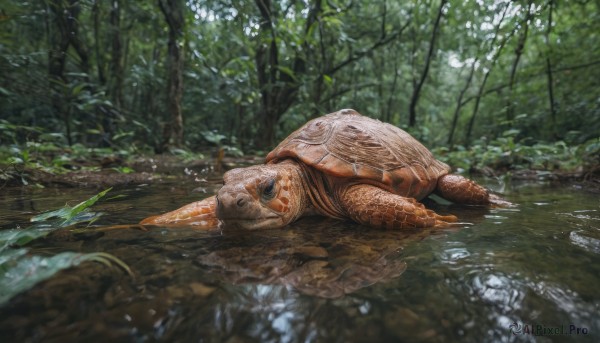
(261, 197)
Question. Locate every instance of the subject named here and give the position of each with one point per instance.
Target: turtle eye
(269, 189)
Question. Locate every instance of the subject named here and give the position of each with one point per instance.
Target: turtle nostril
(241, 202)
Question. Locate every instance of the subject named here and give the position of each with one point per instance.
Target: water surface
(504, 275)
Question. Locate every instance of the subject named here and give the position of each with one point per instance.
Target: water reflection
(317, 257)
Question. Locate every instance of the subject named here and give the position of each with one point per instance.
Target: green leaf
(67, 213)
(4, 91)
(24, 273)
(124, 170)
(21, 237)
(511, 133)
(10, 255)
(123, 134)
(288, 72)
(89, 202)
(19, 272)
(93, 132)
(77, 89)
(60, 213)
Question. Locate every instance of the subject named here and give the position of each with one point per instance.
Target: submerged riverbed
(523, 274)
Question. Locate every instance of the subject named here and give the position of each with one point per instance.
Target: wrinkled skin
(261, 197)
(322, 169)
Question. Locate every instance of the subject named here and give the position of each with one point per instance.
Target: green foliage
(46, 151)
(363, 54)
(19, 270)
(220, 141)
(186, 155)
(505, 154)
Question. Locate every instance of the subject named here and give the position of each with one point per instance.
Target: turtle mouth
(269, 222)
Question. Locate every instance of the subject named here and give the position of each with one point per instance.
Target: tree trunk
(414, 99)
(513, 72)
(98, 43)
(388, 113)
(459, 103)
(116, 62)
(62, 33)
(487, 74)
(112, 81)
(549, 73)
(173, 12)
(278, 84)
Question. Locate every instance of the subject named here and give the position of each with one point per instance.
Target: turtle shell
(346, 144)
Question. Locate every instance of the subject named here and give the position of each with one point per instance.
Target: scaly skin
(461, 190)
(375, 207)
(464, 191)
(198, 214)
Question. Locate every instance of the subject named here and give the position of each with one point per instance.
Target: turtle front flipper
(464, 191)
(373, 206)
(199, 214)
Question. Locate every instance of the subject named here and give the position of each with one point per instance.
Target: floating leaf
(67, 213)
(60, 213)
(85, 204)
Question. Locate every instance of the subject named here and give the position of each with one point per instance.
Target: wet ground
(524, 274)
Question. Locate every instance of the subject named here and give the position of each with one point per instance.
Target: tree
(416, 94)
(549, 69)
(63, 31)
(173, 130)
(518, 53)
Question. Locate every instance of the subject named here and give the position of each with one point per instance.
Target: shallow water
(535, 267)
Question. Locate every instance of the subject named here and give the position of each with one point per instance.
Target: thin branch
(527, 77)
(382, 41)
(417, 90)
(348, 89)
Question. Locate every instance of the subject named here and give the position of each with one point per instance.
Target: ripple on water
(586, 236)
(583, 239)
(454, 255)
(503, 291)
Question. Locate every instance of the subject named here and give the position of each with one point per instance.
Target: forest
(483, 83)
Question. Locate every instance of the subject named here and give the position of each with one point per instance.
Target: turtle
(342, 165)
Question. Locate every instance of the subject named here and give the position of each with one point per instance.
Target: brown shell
(348, 145)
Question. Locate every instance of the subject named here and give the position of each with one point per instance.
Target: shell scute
(335, 166)
(368, 172)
